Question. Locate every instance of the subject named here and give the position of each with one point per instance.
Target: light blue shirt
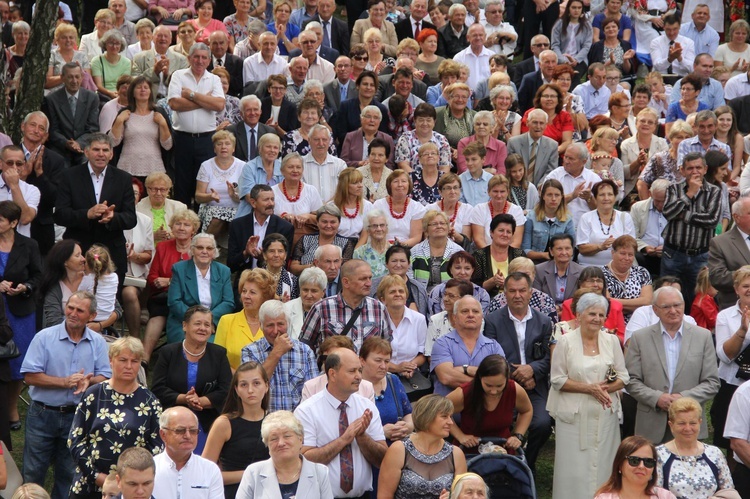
(672, 351)
(655, 225)
(435, 96)
(693, 144)
(452, 349)
(299, 17)
(706, 41)
(712, 94)
(594, 101)
(254, 173)
(474, 190)
(52, 352)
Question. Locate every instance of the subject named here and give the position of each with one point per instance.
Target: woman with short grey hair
(312, 288)
(313, 89)
(111, 64)
(355, 149)
(507, 122)
(373, 251)
(329, 220)
(485, 125)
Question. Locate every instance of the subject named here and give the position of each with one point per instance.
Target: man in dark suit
(246, 233)
(448, 43)
(562, 266)
(73, 113)
(287, 120)
(524, 335)
(532, 81)
(385, 82)
(342, 87)
(336, 34)
(95, 202)
(531, 64)
(44, 169)
(412, 25)
(219, 44)
(728, 252)
(249, 130)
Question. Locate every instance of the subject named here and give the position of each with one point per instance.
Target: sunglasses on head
(635, 461)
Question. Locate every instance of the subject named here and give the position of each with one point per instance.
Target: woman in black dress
(234, 441)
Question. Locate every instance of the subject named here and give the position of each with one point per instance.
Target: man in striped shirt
(692, 211)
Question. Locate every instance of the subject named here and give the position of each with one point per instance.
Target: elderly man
(386, 83)
(296, 74)
(61, 363)
(403, 84)
(335, 31)
(730, 251)
(248, 132)
(343, 429)
(43, 170)
(218, 42)
(456, 355)
(691, 211)
(539, 43)
(195, 96)
(321, 169)
(649, 223)
(712, 92)
(532, 81)
(412, 25)
(667, 361)
(180, 474)
(352, 312)
(158, 64)
(73, 114)
(672, 53)
(501, 36)
(523, 332)
(559, 276)
(328, 258)
(288, 362)
(317, 67)
(260, 66)
(135, 473)
(706, 123)
(12, 188)
(476, 56)
(327, 53)
(452, 36)
(127, 28)
(576, 180)
(594, 93)
(705, 38)
(342, 87)
(539, 152)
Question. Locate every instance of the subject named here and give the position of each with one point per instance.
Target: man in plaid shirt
(351, 312)
(288, 362)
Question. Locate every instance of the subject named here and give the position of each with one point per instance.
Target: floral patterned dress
(661, 165)
(693, 477)
(105, 424)
(294, 142)
(407, 149)
(422, 192)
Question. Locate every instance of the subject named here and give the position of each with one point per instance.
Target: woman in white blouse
(295, 201)
(498, 188)
(458, 213)
(404, 215)
(349, 198)
(104, 20)
(598, 229)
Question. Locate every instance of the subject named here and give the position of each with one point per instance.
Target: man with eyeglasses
(259, 66)
(328, 53)
(667, 361)
(12, 188)
(335, 32)
(180, 474)
(531, 63)
(317, 67)
(712, 93)
(501, 36)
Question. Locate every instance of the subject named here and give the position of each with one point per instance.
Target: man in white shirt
(476, 56)
(501, 36)
(195, 96)
(576, 180)
(321, 168)
(671, 52)
(737, 86)
(259, 66)
(318, 68)
(180, 474)
(12, 188)
(361, 445)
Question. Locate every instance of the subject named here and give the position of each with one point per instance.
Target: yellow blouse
(233, 333)
(501, 266)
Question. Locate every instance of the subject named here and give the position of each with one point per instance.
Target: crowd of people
(370, 239)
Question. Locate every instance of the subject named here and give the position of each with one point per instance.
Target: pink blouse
(202, 34)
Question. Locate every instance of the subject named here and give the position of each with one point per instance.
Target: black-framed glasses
(635, 461)
(10, 162)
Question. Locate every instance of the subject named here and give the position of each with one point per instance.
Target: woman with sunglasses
(633, 472)
(686, 466)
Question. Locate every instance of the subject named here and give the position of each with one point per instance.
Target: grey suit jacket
(63, 125)
(259, 481)
(696, 375)
(547, 158)
(333, 93)
(143, 64)
(639, 213)
(726, 253)
(242, 150)
(546, 282)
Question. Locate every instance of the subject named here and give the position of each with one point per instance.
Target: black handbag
(743, 361)
(9, 350)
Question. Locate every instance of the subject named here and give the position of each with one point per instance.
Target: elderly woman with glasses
(111, 64)
(374, 250)
(328, 219)
(355, 150)
(429, 259)
(484, 126)
(184, 291)
(157, 205)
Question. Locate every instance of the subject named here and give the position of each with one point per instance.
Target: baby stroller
(508, 476)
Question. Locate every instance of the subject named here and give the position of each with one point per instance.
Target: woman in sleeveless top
(422, 465)
(234, 441)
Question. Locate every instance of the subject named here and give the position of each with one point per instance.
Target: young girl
(101, 281)
(704, 309)
(234, 440)
(717, 171)
(522, 192)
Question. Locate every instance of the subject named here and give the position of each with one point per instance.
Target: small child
(394, 12)
(474, 180)
(101, 281)
(704, 309)
(522, 192)
(110, 488)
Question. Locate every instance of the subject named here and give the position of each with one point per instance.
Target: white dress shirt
(256, 69)
(324, 176)
(97, 181)
(660, 52)
(672, 350)
(320, 70)
(198, 479)
(520, 325)
(260, 231)
(578, 206)
(204, 286)
(408, 337)
(727, 323)
(200, 120)
(737, 86)
(738, 418)
(479, 65)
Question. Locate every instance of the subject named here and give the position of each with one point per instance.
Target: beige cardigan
(170, 207)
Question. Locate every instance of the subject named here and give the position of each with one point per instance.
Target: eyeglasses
(185, 31)
(612, 78)
(181, 431)
(437, 224)
(428, 154)
(635, 461)
(308, 42)
(10, 162)
(157, 189)
(451, 188)
(541, 45)
(595, 280)
(278, 89)
(361, 58)
(378, 226)
(675, 306)
(206, 248)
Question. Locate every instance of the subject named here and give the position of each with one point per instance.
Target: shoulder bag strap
(395, 397)
(352, 319)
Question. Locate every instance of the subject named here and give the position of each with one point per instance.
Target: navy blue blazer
(526, 92)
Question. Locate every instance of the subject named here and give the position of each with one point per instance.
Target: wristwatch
(466, 369)
(520, 437)
(191, 96)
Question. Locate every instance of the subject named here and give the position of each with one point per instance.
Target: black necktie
(669, 69)
(252, 147)
(218, 62)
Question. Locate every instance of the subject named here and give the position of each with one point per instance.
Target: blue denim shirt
(254, 173)
(536, 234)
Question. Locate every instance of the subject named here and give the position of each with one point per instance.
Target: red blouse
(495, 423)
(704, 310)
(561, 123)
